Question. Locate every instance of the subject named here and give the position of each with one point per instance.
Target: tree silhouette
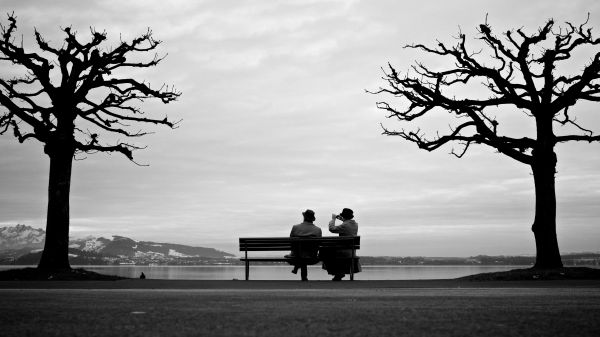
(518, 76)
(67, 98)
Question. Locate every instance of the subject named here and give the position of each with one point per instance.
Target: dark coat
(306, 250)
(339, 261)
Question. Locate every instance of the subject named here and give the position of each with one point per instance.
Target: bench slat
(324, 241)
(284, 259)
(259, 249)
(287, 238)
(266, 259)
(288, 246)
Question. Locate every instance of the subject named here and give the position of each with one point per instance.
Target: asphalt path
(255, 308)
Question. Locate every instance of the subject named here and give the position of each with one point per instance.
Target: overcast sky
(276, 120)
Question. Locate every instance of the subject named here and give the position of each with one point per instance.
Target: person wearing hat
(304, 253)
(337, 263)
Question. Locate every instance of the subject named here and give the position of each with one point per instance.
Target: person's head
(347, 214)
(309, 215)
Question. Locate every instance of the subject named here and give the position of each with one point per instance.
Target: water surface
(283, 272)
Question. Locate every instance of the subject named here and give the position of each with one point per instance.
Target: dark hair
(347, 214)
(309, 215)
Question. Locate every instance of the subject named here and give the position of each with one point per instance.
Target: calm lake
(283, 272)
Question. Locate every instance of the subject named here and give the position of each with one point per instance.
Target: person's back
(306, 229)
(347, 228)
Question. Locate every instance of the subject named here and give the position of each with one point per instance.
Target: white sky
(276, 120)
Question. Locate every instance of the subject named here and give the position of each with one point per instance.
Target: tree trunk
(544, 225)
(56, 248)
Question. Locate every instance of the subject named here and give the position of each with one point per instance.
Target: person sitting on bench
(341, 262)
(304, 254)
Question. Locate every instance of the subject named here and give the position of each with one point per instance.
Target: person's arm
(332, 227)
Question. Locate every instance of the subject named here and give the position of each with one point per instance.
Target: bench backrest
(286, 243)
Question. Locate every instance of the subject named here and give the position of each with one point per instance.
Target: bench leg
(247, 270)
(352, 265)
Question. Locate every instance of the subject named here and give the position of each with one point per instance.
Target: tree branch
(516, 60)
(87, 71)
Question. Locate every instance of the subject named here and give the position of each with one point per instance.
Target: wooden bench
(286, 244)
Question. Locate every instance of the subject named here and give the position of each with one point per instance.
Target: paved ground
(227, 284)
(255, 308)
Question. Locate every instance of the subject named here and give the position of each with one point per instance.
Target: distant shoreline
(276, 264)
(596, 266)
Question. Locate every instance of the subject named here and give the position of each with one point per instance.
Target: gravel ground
(263, 309)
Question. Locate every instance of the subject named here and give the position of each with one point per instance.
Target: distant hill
(22, 244)
(123, 246)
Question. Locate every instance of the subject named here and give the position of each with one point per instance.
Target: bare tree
(518, 76)
(68, 97)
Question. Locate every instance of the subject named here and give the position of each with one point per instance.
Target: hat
(309, 215)
(347, 214)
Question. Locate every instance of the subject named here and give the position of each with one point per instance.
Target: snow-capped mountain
(123, 246)
(21, 236)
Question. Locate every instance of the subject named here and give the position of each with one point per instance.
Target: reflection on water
(281, 272)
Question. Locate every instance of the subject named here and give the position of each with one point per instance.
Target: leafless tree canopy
(519, 72)
(78, 88)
